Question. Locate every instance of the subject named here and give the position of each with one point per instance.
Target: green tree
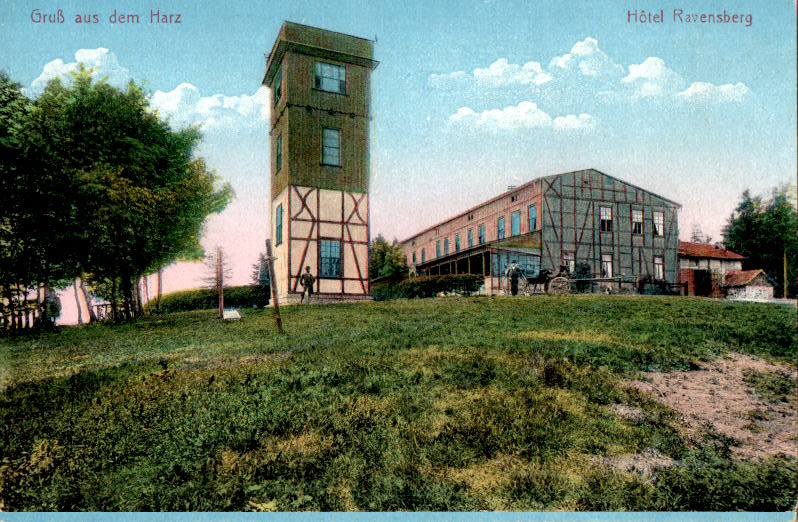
(386, 259)
(765, 231)
(126, 191)
(260, 271)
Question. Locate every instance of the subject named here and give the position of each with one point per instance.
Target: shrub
(204, 298)
(463, 284)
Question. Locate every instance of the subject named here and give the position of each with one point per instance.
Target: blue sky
(469, 97)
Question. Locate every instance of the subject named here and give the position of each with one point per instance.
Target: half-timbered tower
(622, 232)
(320, 87)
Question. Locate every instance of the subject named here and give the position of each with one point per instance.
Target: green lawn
(439, 404)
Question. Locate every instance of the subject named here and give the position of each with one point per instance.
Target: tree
(129, 193)
(698, 236)
(386, 259)
(765, 231)
(260, 271)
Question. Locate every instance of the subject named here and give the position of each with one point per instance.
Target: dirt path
(718, 396)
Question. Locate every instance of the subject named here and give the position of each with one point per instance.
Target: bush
(463, 284)
(205, 298)
(647, 285)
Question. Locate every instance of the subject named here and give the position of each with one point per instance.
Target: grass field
(439, 404)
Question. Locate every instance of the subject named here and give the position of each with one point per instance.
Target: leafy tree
(101, 187)
(386, 259)
(765, 231)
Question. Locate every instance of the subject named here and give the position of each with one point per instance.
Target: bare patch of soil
(718, 397)
(644, 463)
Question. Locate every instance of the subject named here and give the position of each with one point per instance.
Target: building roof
(742, 277)
(688, 249)
(321, 43)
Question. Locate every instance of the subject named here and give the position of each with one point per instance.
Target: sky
(469, 97)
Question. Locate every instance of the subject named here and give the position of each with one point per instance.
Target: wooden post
(220, 282)
(272, 279)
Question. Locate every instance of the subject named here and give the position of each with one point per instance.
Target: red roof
(741, 277)
(688, 249)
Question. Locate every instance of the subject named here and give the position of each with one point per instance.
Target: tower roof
(317, 42)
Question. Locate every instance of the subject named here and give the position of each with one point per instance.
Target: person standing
(307, 280)
(514, 274)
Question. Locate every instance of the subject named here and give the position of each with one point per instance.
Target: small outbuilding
(752, 285)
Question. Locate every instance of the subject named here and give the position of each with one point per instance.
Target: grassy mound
(440, 404)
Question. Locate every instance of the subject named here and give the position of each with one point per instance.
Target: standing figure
(514, 273)
(307, 280)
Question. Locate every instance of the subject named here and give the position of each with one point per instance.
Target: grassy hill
(440, 404)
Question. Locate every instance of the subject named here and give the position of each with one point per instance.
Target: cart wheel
(559, 286)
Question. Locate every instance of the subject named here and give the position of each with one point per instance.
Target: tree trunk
(146, 289)
(87, 298)
(77, 301)
(158, 302)
(25, 309)
(139, 307)
(113, 299)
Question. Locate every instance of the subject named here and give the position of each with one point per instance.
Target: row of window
(515, 229)
(330, 148)
(605, 217)
(606, 265)
(326, 77)
(329, 249)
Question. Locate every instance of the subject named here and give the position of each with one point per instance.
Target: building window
(277, 86)
(330, 78)
(278, 153)
(482, 234)
(330, 251)
(659, 268)
(569, 262)
(331, 147)
(605, 214)
(457, 242)
(446, 246)
(533, 217)
(659, 223)
(637, 221)
(606, 265)
(414, 257)
(437, 249)
(500, 228)
(423, 256)
(470, 237)
(278, 225)
(515, 223)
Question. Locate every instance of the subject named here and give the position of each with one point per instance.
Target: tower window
(330, 258)
(659, 268)
(330, 78)
(278, 153)
(278, 225)
(331, 147)
(277, 86)
(606, 265)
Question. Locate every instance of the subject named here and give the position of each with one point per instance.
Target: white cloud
(652, 78)
(101, 61)
(524, 115)
(709, 92)
(572, 122)
(501, 73)
(586, 56)
(183, 106)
